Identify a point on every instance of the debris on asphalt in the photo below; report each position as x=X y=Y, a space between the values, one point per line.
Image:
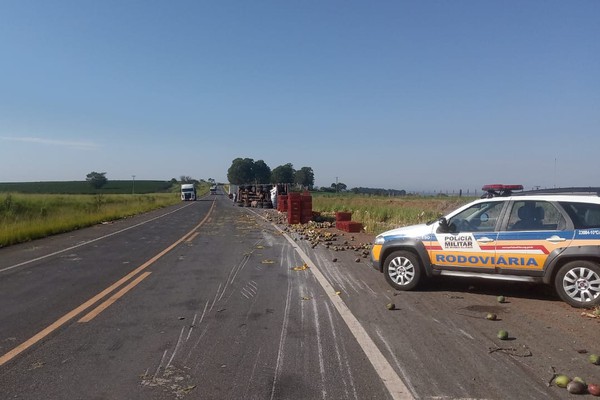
x=502 y=334
x=562 y=381
x=491 y=317
x=300 y=268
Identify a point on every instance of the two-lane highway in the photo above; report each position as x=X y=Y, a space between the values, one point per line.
x=202 y=300
x=206 y=300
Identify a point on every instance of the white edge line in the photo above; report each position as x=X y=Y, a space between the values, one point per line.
x=383 y=368
x=90 y=241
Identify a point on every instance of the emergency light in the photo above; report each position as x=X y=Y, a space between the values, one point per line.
x=499 y=190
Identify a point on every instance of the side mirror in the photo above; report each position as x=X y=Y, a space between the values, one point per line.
x=443 y=226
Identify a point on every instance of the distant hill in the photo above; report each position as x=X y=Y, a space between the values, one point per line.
x=83 y=187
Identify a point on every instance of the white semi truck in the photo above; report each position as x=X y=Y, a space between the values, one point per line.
x=188 y=192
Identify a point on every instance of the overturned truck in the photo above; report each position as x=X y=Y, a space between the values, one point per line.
x=258 y=195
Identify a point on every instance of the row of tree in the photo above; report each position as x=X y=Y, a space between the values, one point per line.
x=246 y=170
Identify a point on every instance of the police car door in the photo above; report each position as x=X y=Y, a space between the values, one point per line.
x=468 y=242
x=534 y=231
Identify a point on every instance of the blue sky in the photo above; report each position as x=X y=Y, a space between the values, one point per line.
x=415 y=95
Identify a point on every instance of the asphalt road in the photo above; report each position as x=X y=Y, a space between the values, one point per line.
x=205 y=300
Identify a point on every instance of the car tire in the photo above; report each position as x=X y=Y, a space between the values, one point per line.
x=402 y=270
x=578 y=283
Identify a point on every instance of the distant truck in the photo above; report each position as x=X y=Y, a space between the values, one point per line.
x=213 y=189
x=188 y=192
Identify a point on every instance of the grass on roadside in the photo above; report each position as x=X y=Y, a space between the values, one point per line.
x=25 y=217
x=381 y=213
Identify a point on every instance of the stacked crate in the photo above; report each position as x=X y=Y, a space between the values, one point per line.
x=294 y=208
x=343 y=222
x=306 y=208
x=282 y=203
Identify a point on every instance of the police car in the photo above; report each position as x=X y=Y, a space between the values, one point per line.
x=547 y=236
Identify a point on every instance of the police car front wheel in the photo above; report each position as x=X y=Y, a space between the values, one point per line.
x=402 y=270
x=578 y=283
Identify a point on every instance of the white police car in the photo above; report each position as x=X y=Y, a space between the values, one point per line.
x=550 y=236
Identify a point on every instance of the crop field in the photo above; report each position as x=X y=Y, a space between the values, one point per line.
x=25 y=217
x=83 y=187
x=33 y=210
x=381 y=213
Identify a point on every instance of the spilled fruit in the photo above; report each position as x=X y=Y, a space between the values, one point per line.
x=576 y=387
x=594 y=389
x=562 y=381
x=502 y=334
x=594 y=359
x=391 y=306
x=491 y=316
x=578 y=379
x=501 y=299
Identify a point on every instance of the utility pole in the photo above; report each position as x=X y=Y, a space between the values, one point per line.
x=336 y=184
x=555 y=160
x=133 y=184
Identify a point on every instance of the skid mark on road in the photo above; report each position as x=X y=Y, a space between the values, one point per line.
x=282 y=338
x=236 y=269
x=396 y=387
x=319 y=348
x=250 y=290
x=396 y=361
x=342 y=359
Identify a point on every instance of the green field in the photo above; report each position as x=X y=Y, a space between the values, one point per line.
x=34 y=210
x=83 y=187
x=381 y=213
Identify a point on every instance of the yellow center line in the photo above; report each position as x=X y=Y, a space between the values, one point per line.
x=80 y=309
x=192 y=237
x=92 y=314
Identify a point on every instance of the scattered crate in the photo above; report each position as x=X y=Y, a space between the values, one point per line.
x=349 y=226
x=343 y=216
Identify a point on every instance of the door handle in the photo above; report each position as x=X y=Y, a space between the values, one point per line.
x=555 y=239
x=485 y=240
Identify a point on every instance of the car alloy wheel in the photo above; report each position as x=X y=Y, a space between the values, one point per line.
x=402 y=270
x=578 y=283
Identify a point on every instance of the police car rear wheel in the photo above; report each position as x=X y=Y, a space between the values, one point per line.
x=402 y=270
x=578 y=283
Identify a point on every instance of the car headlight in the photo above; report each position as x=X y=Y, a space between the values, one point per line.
x=379 y=240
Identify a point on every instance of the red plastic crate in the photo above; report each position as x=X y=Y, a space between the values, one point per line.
x=282 y=200
x=343 y=216
x=349 y=226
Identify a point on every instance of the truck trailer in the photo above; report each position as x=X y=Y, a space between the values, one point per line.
x=188 y=192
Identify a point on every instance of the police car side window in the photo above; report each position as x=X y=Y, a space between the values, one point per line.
x=480 y=217
x=583 y=215
x=528 y=215
x=553 y=219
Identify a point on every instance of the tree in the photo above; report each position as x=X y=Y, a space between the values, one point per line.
x=283 y=174
x=96 y=179
x=187 y=179
x=340 y=187
x=305 y=177
x=241 y=171
x=262 y=172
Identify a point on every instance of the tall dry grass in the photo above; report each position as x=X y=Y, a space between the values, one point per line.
x=25 y=217
x=381 y=213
